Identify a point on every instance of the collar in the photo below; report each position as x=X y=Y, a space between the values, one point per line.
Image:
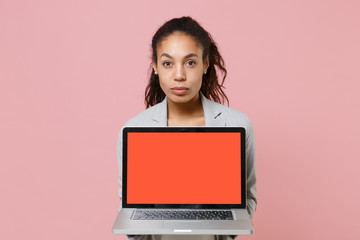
x=213 y=113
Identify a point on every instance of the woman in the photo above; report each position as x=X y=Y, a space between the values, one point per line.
x=184 y=78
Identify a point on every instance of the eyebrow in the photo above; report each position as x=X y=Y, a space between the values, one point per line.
x=187 y=56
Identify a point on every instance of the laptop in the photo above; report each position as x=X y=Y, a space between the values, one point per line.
x=183 y=180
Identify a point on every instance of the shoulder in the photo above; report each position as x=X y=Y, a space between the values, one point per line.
x=230 y=116
x=235 y=117
x=149 y=117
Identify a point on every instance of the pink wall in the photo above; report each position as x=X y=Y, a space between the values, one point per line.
x=72 y=72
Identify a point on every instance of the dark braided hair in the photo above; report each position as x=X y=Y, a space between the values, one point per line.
x=211 y=87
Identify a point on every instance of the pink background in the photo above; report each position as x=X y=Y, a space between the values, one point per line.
x=73 y=71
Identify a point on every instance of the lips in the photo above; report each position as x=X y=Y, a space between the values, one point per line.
x=179 y=90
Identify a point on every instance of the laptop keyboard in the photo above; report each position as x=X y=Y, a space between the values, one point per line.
x=183 y=215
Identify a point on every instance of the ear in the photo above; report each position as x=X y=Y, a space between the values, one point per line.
x=206 y=64
x=155 y=68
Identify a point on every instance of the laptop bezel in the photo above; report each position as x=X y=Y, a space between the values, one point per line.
x=242 y=132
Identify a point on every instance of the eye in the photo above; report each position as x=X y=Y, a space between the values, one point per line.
x=166 y=64
x=191 y=63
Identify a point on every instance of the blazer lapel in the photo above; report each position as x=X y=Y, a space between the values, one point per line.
x=160 y=115
x=213 y=114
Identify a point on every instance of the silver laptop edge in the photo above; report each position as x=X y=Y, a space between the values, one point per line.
x=240 y=225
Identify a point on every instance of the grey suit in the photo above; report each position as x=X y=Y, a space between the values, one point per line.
x=215 y=115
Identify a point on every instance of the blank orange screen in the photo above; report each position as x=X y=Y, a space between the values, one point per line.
x=184 y=168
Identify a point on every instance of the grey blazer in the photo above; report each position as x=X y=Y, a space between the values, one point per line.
x=215 y=115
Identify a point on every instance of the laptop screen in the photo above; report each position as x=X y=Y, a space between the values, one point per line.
x=184 y=166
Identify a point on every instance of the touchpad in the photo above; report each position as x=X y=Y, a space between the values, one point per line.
x=177 y=225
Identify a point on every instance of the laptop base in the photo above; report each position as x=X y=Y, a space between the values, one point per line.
x=241 y=225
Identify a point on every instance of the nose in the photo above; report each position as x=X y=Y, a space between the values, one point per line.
x=179 y=73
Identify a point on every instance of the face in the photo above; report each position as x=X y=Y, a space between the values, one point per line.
x=180 y=67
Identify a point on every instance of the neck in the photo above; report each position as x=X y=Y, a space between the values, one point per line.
x=190 y=109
